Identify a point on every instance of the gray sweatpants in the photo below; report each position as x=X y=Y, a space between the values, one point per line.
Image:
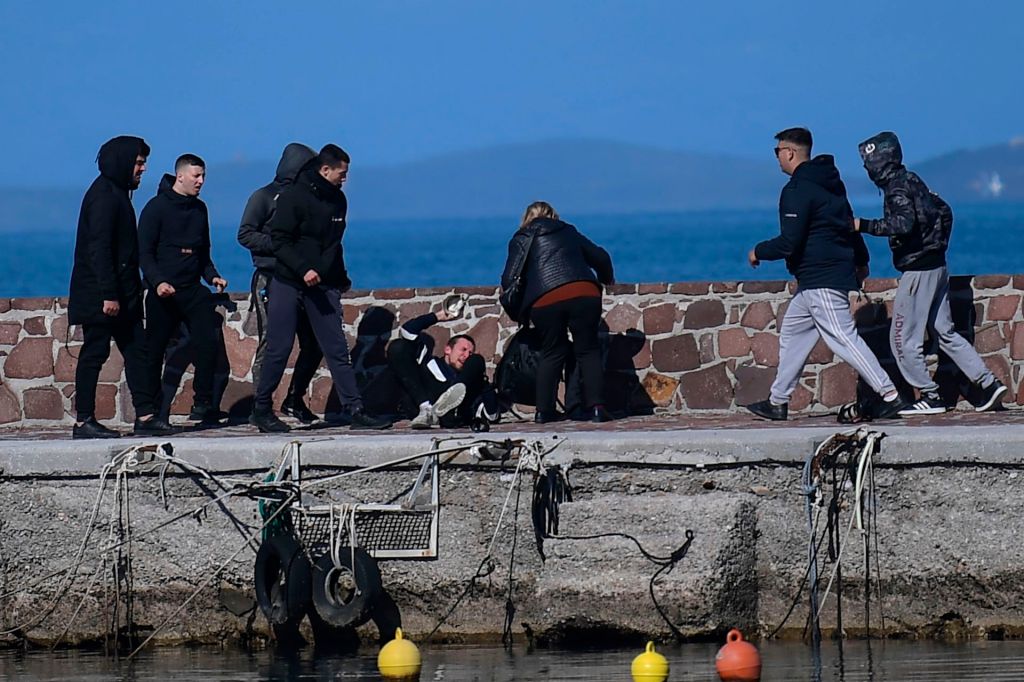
x=922 y=303
x=822 y=313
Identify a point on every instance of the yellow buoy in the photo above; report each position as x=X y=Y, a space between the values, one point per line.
x=650 y=666
x=399 y=659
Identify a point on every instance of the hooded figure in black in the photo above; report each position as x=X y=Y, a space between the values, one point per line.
x=254 y=234
x=174 y=240
x=918 y=224
x=829 y=259
x=106 y=291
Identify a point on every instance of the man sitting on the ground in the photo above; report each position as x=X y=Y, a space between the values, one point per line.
x=448 y=391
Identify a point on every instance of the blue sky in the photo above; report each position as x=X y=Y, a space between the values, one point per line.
x=396 y=81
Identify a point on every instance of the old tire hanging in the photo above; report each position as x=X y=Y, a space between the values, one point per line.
x=282 y=575
x=344 y=595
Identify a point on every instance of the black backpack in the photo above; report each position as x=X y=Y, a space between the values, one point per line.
x=515 y=377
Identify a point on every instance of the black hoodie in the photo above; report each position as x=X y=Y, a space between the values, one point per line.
x=917 y=222
x=107 y=245
x=817 y=239
x=174 y=239
x=254 y=232
x=307 y=229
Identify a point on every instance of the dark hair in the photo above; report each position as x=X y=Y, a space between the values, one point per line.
x=799 y=137
x=455 y=339
x=188 y=160
x=332 y=156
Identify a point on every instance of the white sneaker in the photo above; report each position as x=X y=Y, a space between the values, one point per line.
x=425 y=419
x=430 y=415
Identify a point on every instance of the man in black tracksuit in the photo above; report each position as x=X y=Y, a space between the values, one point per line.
x=918 y=224
x=448 y=391
x=106 y=292
x=828 y=259
x=174 y=238
x=309 y=278
x=254 y=234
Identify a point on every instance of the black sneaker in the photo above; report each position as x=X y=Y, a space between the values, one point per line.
x=361 y=420
x=267 y=422
x=207 y=414
x=891 y=409
x=295 y=406
x=542 y=417
x=91 y=428
x=598 y=414
x=155 y=426
x=769 y=410
x=930 y=403
x=990 y=396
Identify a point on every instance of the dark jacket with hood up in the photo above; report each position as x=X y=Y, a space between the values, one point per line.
x=174 y=239
x=107 y=246
x=559 y=255
x=306 y=231
x=817 y=239
x=917 y=221
x=254 y=232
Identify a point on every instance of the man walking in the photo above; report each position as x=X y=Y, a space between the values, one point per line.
x=106 y=291
x=254 y=234
x=918 y=224
x=309 y=278
x=828 y=260
x=174 y=238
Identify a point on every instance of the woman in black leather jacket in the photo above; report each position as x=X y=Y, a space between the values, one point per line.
x=561 y=292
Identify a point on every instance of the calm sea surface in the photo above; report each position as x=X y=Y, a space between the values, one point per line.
x=708 y=245
x=790 y=662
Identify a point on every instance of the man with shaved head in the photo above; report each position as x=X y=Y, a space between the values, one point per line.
x=174 y=240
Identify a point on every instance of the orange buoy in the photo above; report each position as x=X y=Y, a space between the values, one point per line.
x=738 y=660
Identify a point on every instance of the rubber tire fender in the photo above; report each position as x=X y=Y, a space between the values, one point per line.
x=283 y=580
x=332 y=607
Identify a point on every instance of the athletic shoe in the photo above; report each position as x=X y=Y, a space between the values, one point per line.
x=91 y=428
x=930 y=403
x=361 y=420
x=990 y=396
x=769 y=410
x=267 y=422
x=430 y=415
x=891 y=409
x=154 y=426
x=425 y=419
x=207 y=414
x=541 y=417
x=295 y=406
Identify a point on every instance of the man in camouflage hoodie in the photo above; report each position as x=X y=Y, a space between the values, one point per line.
x=918 y=224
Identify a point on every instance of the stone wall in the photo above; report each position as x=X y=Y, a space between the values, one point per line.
x=684 y=347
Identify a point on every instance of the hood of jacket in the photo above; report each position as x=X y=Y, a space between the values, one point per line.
x=822 y=171
x=882 y=156
x=116 y=159
x=294 y=157
x=166 y=188
x=318 y=184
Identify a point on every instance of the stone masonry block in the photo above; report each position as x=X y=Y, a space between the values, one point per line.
x=676 y=353
x=44 y=403
x=758 y=315
x=32 y=358
x=704 y=314
x=707 y=389
x=1002 y=307
x=659 y=319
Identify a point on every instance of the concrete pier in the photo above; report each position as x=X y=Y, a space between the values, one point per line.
x=949 y=561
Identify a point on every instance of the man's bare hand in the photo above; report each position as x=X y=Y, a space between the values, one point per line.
x=311 y=278
x=856 y=224
x=752 y=259
x=220 y=284
x=164 y=290
x=111 y=308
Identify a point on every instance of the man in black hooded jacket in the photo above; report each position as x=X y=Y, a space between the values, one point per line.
x=106 y=292
x=918 y=224
x=254 y=234
x=174 y=241
x=309 y=278
x=829 y=260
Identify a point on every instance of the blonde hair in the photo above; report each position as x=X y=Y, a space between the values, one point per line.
x=538 y=209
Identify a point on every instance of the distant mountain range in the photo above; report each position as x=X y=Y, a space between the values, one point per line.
x=581 y=176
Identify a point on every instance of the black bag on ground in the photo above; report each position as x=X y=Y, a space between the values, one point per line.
x=515 y=377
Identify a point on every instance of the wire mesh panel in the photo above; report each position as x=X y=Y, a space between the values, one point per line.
x=385 y=531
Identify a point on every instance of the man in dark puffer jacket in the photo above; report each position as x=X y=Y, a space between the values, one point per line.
x=824 y=253
x=918 y=224
x=106 y=292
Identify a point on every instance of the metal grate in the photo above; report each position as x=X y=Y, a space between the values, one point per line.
x=384 y=531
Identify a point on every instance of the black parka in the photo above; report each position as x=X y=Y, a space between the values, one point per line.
x=106 y=266
x=174 y=239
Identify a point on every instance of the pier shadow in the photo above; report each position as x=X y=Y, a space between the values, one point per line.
x=369 y=353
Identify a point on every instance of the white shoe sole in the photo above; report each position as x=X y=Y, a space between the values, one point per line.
x=449 y=400
x=993 y=400
x=913 y=412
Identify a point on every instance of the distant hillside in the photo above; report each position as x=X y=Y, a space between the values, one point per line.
x=581 y=176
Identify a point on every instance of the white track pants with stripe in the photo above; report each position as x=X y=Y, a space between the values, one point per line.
x=822 y=313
